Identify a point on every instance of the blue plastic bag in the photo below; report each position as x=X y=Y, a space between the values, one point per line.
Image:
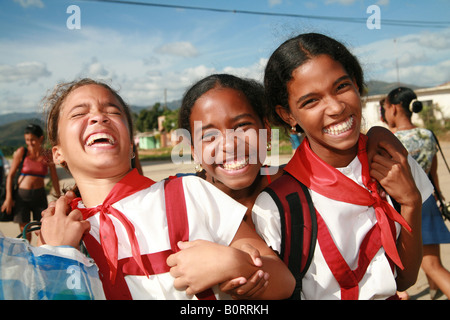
x=46 y=273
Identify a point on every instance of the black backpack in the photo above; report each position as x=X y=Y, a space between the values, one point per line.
x=298 y=225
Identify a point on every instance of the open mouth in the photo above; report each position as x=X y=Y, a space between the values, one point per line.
x=235 y=164
x=100 y=139
x=340 y=128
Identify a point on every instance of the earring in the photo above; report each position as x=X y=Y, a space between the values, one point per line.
x=269 y=146
x=133 y=155
x=198 y=167
x=294 y=128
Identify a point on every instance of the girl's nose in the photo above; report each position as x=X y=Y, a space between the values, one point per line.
x=98 y=117
x=334 y=106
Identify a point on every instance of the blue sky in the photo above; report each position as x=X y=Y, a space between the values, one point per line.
x=144 y=50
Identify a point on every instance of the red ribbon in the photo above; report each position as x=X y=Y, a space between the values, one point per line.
x=326 y=180
x=130 y=184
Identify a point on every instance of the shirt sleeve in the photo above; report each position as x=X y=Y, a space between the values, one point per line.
x=420 y=177
x=211 y=210
x=266 y=218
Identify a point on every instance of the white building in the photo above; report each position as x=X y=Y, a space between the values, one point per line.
x=439 y=97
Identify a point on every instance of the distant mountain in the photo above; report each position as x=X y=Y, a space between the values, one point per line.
x=172 y=105
x=11 y=134
x=375 y=87
x=16 y=116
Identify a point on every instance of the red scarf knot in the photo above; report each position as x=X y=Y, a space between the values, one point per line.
x=131 y=183
x=326 y=180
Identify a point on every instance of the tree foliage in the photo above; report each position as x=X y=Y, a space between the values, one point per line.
x=147 y=119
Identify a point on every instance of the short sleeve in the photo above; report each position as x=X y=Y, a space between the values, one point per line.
x=211 y=210
x=266 y=218
x=423 y=183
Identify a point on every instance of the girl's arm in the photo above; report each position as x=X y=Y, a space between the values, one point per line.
x=9 y=201
x=392 y=171
x=206 y=264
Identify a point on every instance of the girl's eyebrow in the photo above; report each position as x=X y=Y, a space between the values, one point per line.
x=306 y=96
x=238 y=117
x=243 y=115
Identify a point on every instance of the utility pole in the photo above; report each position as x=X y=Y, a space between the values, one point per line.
x=396 y=62
x=165 y=98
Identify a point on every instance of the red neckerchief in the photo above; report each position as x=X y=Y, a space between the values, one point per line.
x=130 y=184
x=326 y=180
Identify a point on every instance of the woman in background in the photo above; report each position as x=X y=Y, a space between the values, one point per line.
x=31 y=195
x=398 y=109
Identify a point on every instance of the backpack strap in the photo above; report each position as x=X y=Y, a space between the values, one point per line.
x=177 y=221
x=440 y=149
x=298 y=226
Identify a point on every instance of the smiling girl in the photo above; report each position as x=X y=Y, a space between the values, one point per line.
x=128 y=236
x=313 y=84
x=224 y=116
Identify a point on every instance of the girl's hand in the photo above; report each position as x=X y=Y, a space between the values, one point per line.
x=241 y=288
x=60 y=226
x=393 y=173
x=202 y=264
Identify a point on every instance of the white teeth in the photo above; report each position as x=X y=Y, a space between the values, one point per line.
x=97 y=136
x=235 y=165
x=339 y=128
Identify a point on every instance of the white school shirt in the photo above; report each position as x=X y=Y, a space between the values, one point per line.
x=348 y=225
x=212 y=215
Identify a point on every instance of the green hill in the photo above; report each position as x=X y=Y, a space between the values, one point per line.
x=11 y=134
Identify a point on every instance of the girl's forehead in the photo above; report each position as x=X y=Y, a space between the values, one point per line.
x=90 y=92
x=223 y=100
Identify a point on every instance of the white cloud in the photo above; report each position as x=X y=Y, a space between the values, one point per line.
x=182 y=49
x=383 y=2
x=420 y=60
x=342 y=2
x=95 y=69
x=30 y=3
x=273 y=3
x=28 y=71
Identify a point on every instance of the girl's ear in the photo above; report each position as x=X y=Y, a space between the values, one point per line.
x=285 y=115
x=395 y=109
x=58 y=157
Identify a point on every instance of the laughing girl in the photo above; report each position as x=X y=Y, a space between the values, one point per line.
x=313 y=84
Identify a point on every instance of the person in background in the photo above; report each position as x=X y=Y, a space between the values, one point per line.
x=399 y=106
x=31 y=195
